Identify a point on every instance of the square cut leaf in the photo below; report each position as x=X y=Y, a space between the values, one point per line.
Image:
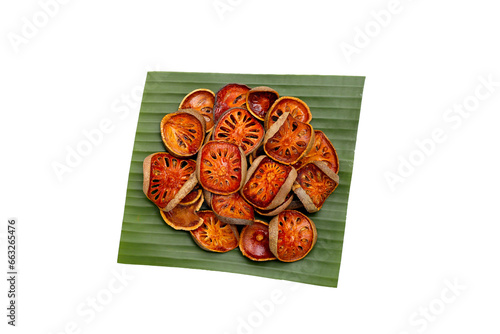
x=335 y=103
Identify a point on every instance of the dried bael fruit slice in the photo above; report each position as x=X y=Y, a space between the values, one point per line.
x=296 y=107
x=315 y=182
x=232 y=209
x=322 y=150
x=292 y=235
x=268 y=183
x=192 y=197
x=239 y=127
x=214 y=235
x=201 y=100
x=260 y=99
x=184 y=217
x=229 y=96
x=167 y=179
x=221 y=167
x=183 y=132
x=288 y=140
x=278 y=209
x=254 y=242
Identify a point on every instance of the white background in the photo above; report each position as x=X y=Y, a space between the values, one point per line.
x=403 y=247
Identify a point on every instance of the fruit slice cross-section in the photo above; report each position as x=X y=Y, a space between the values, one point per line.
x=322 y=150
x=254 y=242
x=229 y=96
x=167 y=179
x=292 y=105
x=268 y=183
x=288 y=140
x=292 y=235
x=315 y=182
x=221 y=167
x=259 y=100
x=232 y=209
x=239 y=127
x=201 y=100
x=214 y=235
x=183 y=217
x=183 y=132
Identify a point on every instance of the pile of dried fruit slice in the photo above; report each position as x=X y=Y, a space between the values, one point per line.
x=210 y=140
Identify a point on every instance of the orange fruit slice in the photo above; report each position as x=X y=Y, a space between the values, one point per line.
x=230 y=96
x=239 y=127
x=288 y=140
x=322 y=150
x=167 y=179
x=259 y=100
x=292 y=105
x=214 y=235
x=292 y=235
x=254 y=242
x=232 y=209
x=221 y=167
x=268 y=183
x=183 y=132
x=315 y=182
x=201 y=100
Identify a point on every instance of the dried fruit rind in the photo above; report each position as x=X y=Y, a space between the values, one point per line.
x=167 y=179
x=254 y=242
x=268 y=183
x=292 y=235
x=214 y=235
x=183 y=132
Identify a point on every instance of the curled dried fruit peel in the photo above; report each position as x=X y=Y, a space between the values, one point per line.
x=273 y=212
x=167 y=179
x=254 y=242
x=292 y=235
x=184 y=217
x=259 y=101
x=288 y=140
x=239 y=127
x=214 y=235
x=314 y=184
x=221 y=167
x=183 y=132
x=201 y=100
x=268 y=183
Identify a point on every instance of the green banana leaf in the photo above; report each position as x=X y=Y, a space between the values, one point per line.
x=335 y=103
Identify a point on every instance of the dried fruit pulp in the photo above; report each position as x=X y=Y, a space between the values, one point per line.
x=296 y=236
x=290 y=142
x=220 y=167
x=265 y=182
x=183 y=134
x=215 y=235
x=254 y=242
x=167 y=176
x=296 y=107
x=260 y=102
x=202 y=101
x=232 y=206
x=229 y=96
x=184 y=217
x=239 y=127
x=317 y=185
x=322 y=150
